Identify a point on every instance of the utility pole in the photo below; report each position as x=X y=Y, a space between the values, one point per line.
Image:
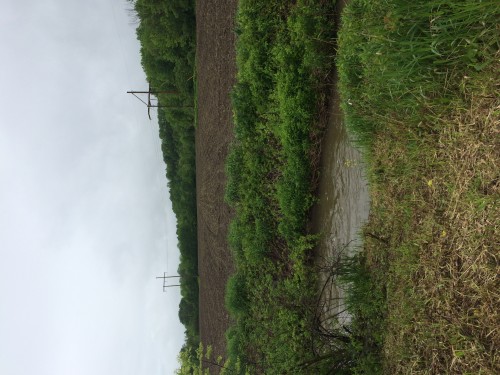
x=148 y=102
x=165 y=281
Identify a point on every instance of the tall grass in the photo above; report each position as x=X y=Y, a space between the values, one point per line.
x=419 y=87
x=396 y=55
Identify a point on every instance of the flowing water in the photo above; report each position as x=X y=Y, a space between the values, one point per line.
x=339 y=214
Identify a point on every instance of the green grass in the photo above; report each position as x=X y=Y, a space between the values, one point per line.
x=419 y=85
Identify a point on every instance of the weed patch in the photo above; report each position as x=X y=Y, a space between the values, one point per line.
x=281 y=58
x=419 y=83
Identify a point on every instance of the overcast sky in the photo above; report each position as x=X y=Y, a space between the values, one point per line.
x=85 y=216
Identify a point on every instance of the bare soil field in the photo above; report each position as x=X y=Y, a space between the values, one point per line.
x=215 y=70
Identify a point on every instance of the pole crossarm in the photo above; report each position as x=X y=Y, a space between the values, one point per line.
x=155 y=93
x=165 y=277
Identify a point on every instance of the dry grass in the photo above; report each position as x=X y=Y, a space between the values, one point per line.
x=436 y=190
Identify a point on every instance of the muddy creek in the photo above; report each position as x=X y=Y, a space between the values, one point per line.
x=342 y=208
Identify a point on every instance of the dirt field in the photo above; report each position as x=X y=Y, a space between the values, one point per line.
x=215 y=78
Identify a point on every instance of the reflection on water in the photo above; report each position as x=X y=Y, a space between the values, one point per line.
x=342 y=209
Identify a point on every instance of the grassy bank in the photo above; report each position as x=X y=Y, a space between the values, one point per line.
x=167 y=35
x=420 y=89
x=283 y=60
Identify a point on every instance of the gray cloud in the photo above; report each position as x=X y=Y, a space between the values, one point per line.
x=85 y=224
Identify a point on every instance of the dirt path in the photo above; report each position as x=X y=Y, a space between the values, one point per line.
x=215 y=78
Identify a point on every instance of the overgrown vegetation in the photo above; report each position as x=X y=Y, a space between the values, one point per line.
x=200 y=361
x=419 y=83
x=167 y=35
x=283 y=62
x=420 y=88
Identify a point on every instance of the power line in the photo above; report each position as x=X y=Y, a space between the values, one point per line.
x=120 y=39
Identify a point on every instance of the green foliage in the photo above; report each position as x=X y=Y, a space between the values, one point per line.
x=281 y=53
x=365 y=301
x=237 y=295
x=197 y=362
x=394 y=58
x=407 y=53
x=167 y=35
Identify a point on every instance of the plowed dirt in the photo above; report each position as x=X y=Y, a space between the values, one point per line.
x=215 y=69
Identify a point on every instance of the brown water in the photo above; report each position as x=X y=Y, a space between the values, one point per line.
x=338 y=216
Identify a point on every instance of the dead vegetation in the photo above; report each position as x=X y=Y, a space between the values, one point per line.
x=437 y=203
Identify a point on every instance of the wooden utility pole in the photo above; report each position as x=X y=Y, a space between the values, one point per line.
x=165 y=277
x=148 y=102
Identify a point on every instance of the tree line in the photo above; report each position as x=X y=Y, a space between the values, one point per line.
x=166 y=32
